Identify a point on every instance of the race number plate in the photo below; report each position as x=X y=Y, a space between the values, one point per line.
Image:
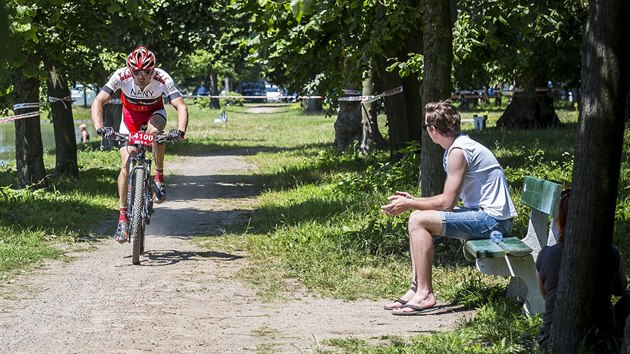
x=141 y=138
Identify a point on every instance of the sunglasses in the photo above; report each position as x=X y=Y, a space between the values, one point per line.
x=144 y=72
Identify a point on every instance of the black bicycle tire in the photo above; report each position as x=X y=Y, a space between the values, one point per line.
x=136 y=216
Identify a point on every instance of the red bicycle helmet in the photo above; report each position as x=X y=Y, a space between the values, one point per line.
x=141 y=59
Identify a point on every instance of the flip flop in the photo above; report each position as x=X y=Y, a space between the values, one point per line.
x=417 y=310
x=400 y=301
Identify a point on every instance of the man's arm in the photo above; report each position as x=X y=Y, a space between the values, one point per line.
x=182 y=113
x=457 y=166
x=401 y=201
x=97 y=108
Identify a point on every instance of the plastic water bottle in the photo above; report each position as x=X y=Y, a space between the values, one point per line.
x=496 y=236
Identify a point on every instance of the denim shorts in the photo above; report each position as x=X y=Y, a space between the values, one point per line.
x=471 y=224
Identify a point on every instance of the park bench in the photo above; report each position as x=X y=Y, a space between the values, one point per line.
x=516 y=258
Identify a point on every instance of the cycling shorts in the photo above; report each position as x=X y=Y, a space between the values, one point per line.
x=132 y=121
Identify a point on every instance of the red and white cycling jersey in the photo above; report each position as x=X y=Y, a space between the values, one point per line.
x=138 y=100
x=140 y=105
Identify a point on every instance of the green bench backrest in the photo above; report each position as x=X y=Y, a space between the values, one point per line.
x=540 y=194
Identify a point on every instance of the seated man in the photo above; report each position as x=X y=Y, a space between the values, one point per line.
x=473 y=175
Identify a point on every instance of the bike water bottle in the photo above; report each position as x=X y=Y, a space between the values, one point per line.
x=496 y=236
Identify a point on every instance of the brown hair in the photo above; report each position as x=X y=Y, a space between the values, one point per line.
x=444 y=117
x=563 y=210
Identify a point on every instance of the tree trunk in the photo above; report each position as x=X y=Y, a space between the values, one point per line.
x=396 y=108
x=63 y=122
x=214 y=91
x=367 y=113
x=371 y=136
x=29 y=150
x=112 y=117
x=412 y=85
x=598 y=148
x=529 y=111
x=348 y=124
x=436 y=86
x=312 y=104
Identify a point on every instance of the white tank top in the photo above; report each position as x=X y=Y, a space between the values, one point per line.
x=484 y=185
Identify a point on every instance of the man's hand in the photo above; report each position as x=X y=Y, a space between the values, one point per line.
x=398 y=203
x=176 y=134
x=106 y=132
x=404 y=194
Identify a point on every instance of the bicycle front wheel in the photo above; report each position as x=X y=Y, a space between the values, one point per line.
x=136 y=227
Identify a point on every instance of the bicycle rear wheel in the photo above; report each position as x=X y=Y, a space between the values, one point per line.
x=137 y=224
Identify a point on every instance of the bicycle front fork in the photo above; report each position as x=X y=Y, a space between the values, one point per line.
x=134 y=165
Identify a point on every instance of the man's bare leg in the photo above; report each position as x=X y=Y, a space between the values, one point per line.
x=156 y=125
x=123 y=176
x=412 y=289
x=123 y=181
x=422 y=225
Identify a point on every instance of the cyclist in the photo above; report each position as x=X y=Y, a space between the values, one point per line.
x=142 y=86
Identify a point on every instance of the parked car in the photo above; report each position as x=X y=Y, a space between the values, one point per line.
x=252 y=90
x=275 y=94
x=202 y=91
x=83 y=95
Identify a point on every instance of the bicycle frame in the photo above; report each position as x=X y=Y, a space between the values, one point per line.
x=140 y=162
x=139 y=186
x=139 y=198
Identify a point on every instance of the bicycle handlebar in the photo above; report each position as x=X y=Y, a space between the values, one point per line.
x=162 y=138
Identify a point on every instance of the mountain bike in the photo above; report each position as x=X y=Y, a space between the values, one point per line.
x=141 y=187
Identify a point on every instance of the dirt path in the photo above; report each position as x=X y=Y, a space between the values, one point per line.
x=182 y=298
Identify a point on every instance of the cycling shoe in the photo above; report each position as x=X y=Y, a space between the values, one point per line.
x=122 y=235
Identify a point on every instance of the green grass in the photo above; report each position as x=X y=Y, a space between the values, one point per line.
x=19 y=248
x=317 y=224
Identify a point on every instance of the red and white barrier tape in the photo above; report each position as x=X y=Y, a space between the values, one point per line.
x=25 y=105
x=368 y=99
x=362 y=99
x=23 y=115
x=252 y=97
x=52 y=99
x=19 y=116
x=17 y=106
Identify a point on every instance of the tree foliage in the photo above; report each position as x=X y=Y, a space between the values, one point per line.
x=522 y=41
x=306 y=43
